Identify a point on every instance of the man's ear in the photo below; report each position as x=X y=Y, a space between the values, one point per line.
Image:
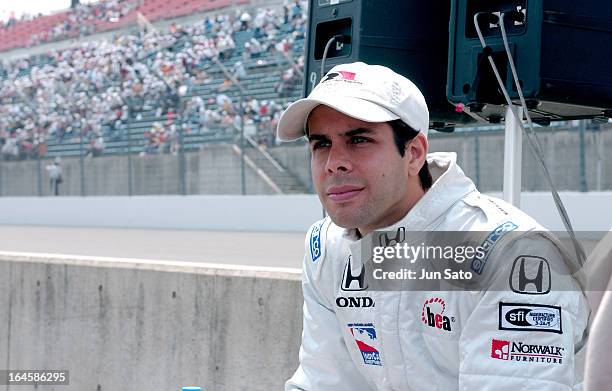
x=416 y=153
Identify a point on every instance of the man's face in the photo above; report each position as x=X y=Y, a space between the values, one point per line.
x=358 y=173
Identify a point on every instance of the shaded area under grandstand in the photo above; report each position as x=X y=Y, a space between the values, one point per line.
x=275 y=249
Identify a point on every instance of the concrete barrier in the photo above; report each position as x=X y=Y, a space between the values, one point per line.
x=123 y=324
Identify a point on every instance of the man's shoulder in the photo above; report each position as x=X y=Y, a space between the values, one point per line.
x=493 y=224
x=321 y=235
x=488 y=213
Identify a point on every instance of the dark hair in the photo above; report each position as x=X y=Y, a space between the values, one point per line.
x=402 y=134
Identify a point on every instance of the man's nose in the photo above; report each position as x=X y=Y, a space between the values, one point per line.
x=338 y=159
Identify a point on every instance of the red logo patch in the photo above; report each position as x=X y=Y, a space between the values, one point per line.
x=347 y=75
x=432 y=314
x=500 y=349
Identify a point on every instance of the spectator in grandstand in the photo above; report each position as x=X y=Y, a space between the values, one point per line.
x=96 y=146
x=253 y=48
x=10 y=149
x=288 y=81
x=238 y=70
x=55 y=175
x=225 y=45
x=224 y=103
x=245 y=19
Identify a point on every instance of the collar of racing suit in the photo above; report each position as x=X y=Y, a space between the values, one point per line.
x=449 y=187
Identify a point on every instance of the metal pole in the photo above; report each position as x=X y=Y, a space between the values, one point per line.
x=129 y=150
x=82 y=163
x=477 y=158
x=39 y=176
x=241 y=93
x=598 y=143
x=242 y=166
x=181 y=156
x=583 y=181
x=513 y=153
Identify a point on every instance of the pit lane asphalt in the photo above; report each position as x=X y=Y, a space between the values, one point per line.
x=274 y=249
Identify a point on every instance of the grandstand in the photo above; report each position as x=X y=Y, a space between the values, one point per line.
x=51 y=115
x=102 y=16
x=168 y=91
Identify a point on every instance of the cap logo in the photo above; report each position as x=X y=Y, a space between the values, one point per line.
x=347 y=75
x=342 y=74
x=396 y=91
x=330 y=76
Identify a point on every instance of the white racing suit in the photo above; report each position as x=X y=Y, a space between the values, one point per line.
x=515 y=335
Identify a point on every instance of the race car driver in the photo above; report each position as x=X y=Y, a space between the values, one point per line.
x=367 y=131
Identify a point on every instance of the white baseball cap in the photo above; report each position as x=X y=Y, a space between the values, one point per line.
x=371 y=93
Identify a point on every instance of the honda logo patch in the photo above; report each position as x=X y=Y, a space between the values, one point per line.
x=352 y=282
x=530 y=275
x=386 y=241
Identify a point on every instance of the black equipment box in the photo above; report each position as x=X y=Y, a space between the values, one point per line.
x=410 y=37
x=562 y=51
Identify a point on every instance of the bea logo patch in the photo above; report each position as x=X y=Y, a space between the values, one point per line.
x=433 y=316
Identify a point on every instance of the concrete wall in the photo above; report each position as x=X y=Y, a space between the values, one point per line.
x=216 y=169
x=481 y=156
x=146 y=325
x=213 y=170
x=296 y=158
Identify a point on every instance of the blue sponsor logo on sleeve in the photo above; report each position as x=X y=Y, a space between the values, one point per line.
x=315 y=242
x=368 y=344
x=478 y=263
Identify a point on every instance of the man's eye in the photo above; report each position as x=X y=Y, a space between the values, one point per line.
x=319 y=144
x=359 y=139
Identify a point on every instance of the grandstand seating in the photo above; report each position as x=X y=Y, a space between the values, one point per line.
x=263 y=75
x=19 y=34
x=259 y=84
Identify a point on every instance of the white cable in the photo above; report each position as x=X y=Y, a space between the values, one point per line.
x=329 y=42
x=495 y=71
x=517 y=83
x=534 y=141
x=534 y=145
x=327 y=45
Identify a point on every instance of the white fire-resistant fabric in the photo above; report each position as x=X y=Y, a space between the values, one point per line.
x=597 y=374
x=402 y=352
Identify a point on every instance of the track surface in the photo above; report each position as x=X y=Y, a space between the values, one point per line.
x=275 y=249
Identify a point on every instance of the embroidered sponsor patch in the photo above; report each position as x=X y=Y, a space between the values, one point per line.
x=365 y=337
x=315 y=241
x=529 y=353
x=433 y=314
x=352 y=282
x=530 y=317
x=530 y=275
x=479 y=262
